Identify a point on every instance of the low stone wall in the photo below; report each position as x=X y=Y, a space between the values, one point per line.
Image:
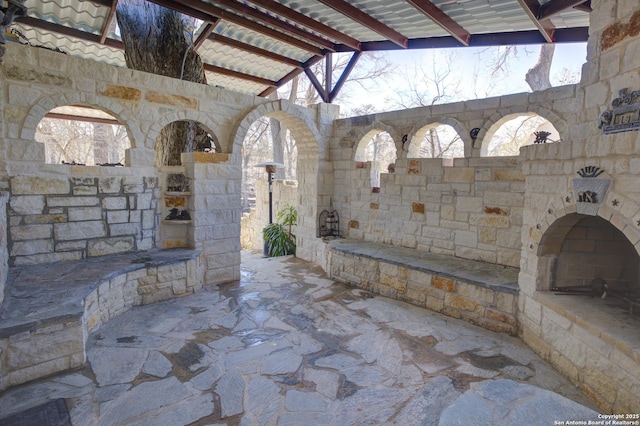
x=482 y=294
x=49 y=341
x=64 y=218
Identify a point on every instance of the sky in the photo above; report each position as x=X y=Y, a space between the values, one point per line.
x=469 y=77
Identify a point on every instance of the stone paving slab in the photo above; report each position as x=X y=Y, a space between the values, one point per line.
x=287 y=346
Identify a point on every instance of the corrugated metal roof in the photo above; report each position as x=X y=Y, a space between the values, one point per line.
x=298 y=33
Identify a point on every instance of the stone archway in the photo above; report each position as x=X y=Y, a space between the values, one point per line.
x=313 y=168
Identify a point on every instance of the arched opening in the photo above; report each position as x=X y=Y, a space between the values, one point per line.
x=436 y=141
x=508 y=135
x=380 y=150
x=267 y=140
x=80 y=135
x=587 y=256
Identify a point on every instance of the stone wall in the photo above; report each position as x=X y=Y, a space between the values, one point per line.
x=69 y=218
x=596 y=347
x=34 y=81
x=472 y=209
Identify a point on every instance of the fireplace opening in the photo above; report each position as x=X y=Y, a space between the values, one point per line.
x=587 y=257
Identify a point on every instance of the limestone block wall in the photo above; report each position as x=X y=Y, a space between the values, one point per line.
x=472 y=209
x=68 y=218
x=598 y=350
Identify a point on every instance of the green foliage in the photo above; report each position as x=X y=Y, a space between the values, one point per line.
x=278 y=237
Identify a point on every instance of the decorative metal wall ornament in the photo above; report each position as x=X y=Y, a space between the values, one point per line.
x=589 y=191
x=590 y=172
x=625 y=114
x=474 y=133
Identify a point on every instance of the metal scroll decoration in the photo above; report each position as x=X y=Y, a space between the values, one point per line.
x=624 y=116
x=589 y=191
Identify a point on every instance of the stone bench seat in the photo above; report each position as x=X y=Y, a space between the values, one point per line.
x=482 y=293
x=49 y=309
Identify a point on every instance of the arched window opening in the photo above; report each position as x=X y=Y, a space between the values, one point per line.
x=380 y=150
x=520 y=131
x=437 y=141
x=82 y=136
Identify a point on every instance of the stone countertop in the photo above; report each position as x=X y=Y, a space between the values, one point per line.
x=488 y=275
x=56 y=291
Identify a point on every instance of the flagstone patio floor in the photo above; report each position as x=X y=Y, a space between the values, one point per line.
x=288 y=346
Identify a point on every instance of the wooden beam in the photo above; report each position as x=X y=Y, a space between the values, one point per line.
x=443 y=20
x=307 y=22
x=237 y=74
x=254 y=50
x=546 y=28
x=367 y=21
x=207 y=12
x=553 y=7
x=108 y=20
x=272 y=21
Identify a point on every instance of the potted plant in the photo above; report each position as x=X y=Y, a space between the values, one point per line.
x=277 y=236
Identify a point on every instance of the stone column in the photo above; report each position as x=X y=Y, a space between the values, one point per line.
x=216 y=210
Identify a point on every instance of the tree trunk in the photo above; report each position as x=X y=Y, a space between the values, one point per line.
x=160 y=41
x=538 y=77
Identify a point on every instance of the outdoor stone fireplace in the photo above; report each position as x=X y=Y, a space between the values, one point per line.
x=585 y=256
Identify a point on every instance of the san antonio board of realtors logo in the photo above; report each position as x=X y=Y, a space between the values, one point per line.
x=625 y=114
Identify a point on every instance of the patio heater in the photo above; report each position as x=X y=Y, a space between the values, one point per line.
x=270 y=167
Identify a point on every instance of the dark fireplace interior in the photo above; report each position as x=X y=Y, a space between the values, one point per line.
x=586 y=256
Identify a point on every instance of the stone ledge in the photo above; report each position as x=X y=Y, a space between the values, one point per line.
x=481 y=293
x=495 y=277
x=49 y=309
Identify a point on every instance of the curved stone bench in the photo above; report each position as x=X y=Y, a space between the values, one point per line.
x=50 y=309
x=481 y=293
